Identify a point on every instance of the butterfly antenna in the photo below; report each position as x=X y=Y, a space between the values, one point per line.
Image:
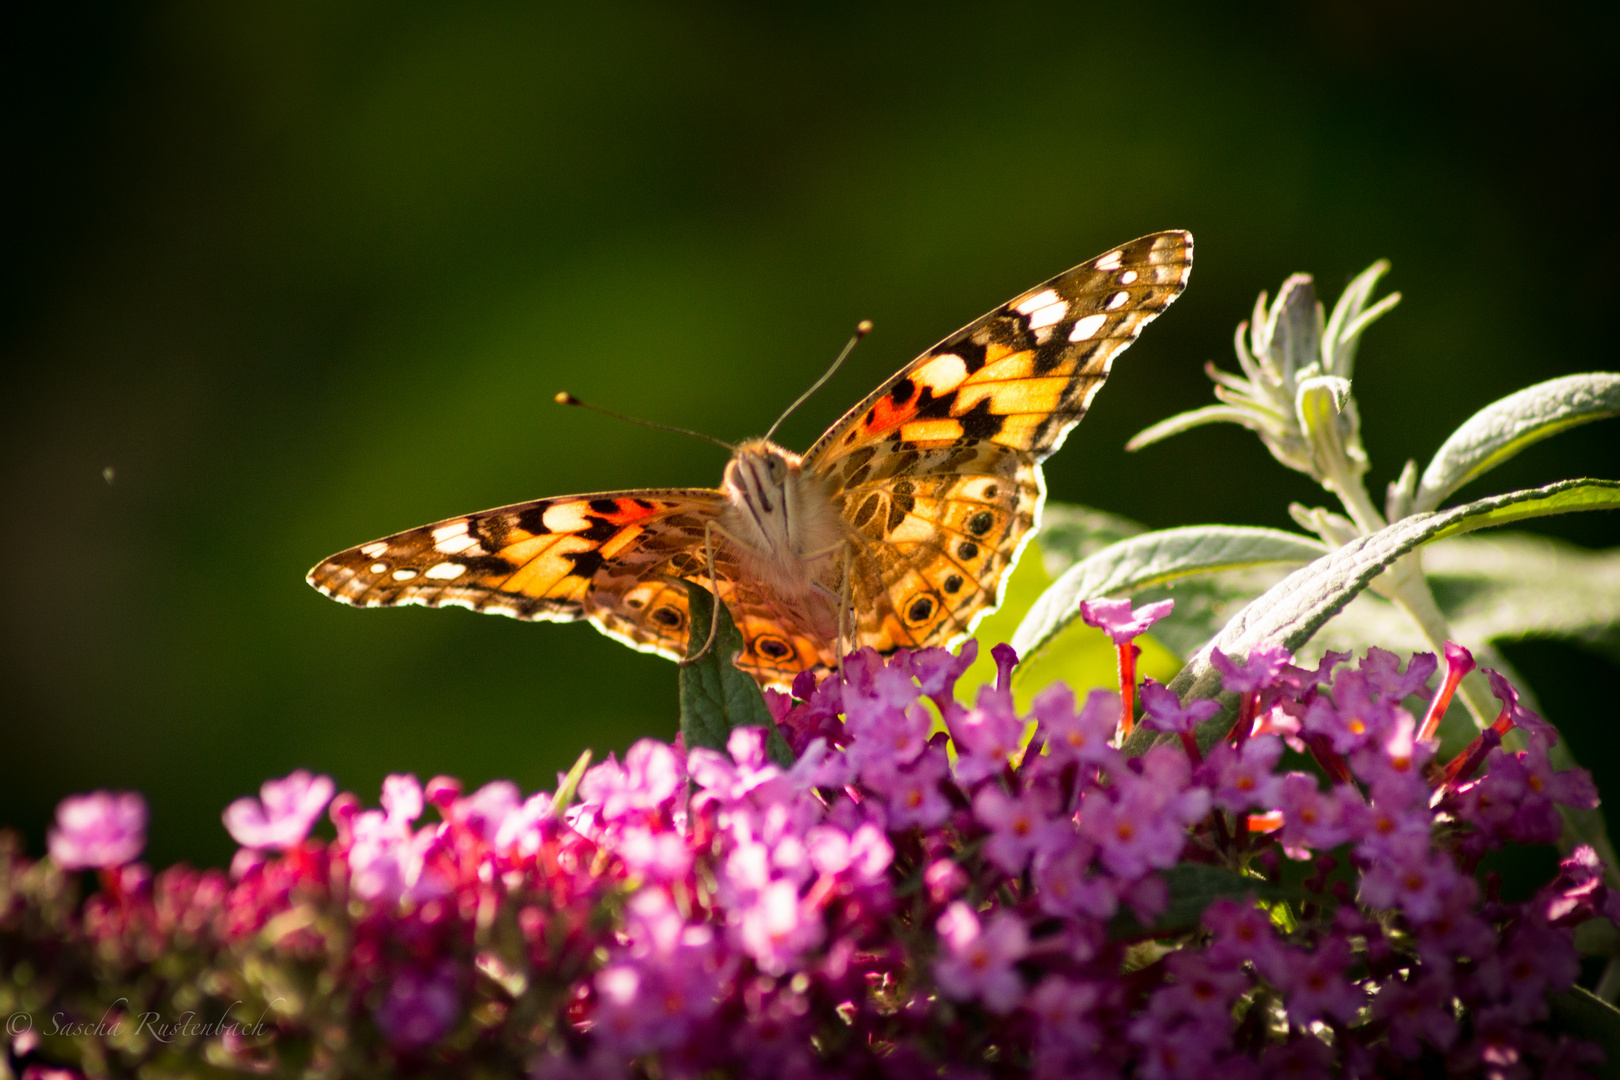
x=862 y=328
x=565 y=398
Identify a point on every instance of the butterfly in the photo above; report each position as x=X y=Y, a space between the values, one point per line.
x=897 y=529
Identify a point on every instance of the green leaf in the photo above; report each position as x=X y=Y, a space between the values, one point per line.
x=1193 y=887
x=1584 y=1015
x=1175 y=425
x=569 y=787
x=1155 y=558
x=1292 y=611
x=1563 y=497
x=1503 y=428
x=715 y=696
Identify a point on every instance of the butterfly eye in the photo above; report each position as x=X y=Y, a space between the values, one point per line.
x=778 y=468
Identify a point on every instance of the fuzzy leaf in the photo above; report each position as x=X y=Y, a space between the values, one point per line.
x=1503 y=428
x=1155 y=558
x=1291 y=612
x=1175 y=425
x=715 y=696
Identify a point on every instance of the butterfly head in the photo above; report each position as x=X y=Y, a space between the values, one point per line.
x=758 y=476
x=780 y=514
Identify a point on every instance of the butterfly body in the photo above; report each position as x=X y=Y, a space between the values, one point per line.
x=911 y=509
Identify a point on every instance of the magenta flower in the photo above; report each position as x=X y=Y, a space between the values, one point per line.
x=777 y=928
x=1119 y=620
x=1243 y=777
x=1161 y=709
x=100 y=831
x=647 y=779
x=986 y=736
x=913 y=795
x=280 y=818
x=1260 y=670
x=1314 y=984
x=1019 y=825
x=1517 y=714
x=419 y=1008
x=1382 y=669
x=1084 y=736
x=979 y=959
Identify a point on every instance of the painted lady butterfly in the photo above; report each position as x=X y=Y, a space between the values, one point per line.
x=914 y=506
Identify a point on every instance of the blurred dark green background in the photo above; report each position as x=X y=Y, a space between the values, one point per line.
x=306 y=274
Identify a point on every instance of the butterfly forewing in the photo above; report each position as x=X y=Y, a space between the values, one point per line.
x=938 y=470
x=606 y=557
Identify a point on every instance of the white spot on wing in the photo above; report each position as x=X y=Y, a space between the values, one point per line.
x=404 y=575
x=378 y=567
x=446 y=571
x=455 y=545
x=454 y=528
x=1117 y=301
x=1049 y=315
x=1087 y=327
x=1109 y=261
x=1045 y=298
x=1127 y=277
x=371 y=551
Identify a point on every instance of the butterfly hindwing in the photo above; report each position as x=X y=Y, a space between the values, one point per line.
x=938 y=470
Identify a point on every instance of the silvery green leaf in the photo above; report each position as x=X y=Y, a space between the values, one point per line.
x=1398 y=498
x=1503 y=428
x=1295 y=328
x=1301 y=603
x=1175 y=425
x=1327 y=416
x=1070 y=533
x=1350 y=318
x=1335 y=529
x=1154 y=558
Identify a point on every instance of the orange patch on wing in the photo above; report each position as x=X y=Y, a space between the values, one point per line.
x=1018 y=365
x=931 y=431
x=541 y=575
x=886 y=415
x=629 y=510
x=521 y=551
x=1018 y=431
x=1009 y=398
x=620 y=540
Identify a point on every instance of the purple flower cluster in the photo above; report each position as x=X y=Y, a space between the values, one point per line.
x=930 y=886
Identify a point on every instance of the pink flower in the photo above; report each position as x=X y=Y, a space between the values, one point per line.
x=99 y=831
x=1119 y=621
x=1018 y=825
x=777 y=928
x=979 y=960
x=648 y=778
x=1164 y=711
x=280 y=818
x=1261 y=670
